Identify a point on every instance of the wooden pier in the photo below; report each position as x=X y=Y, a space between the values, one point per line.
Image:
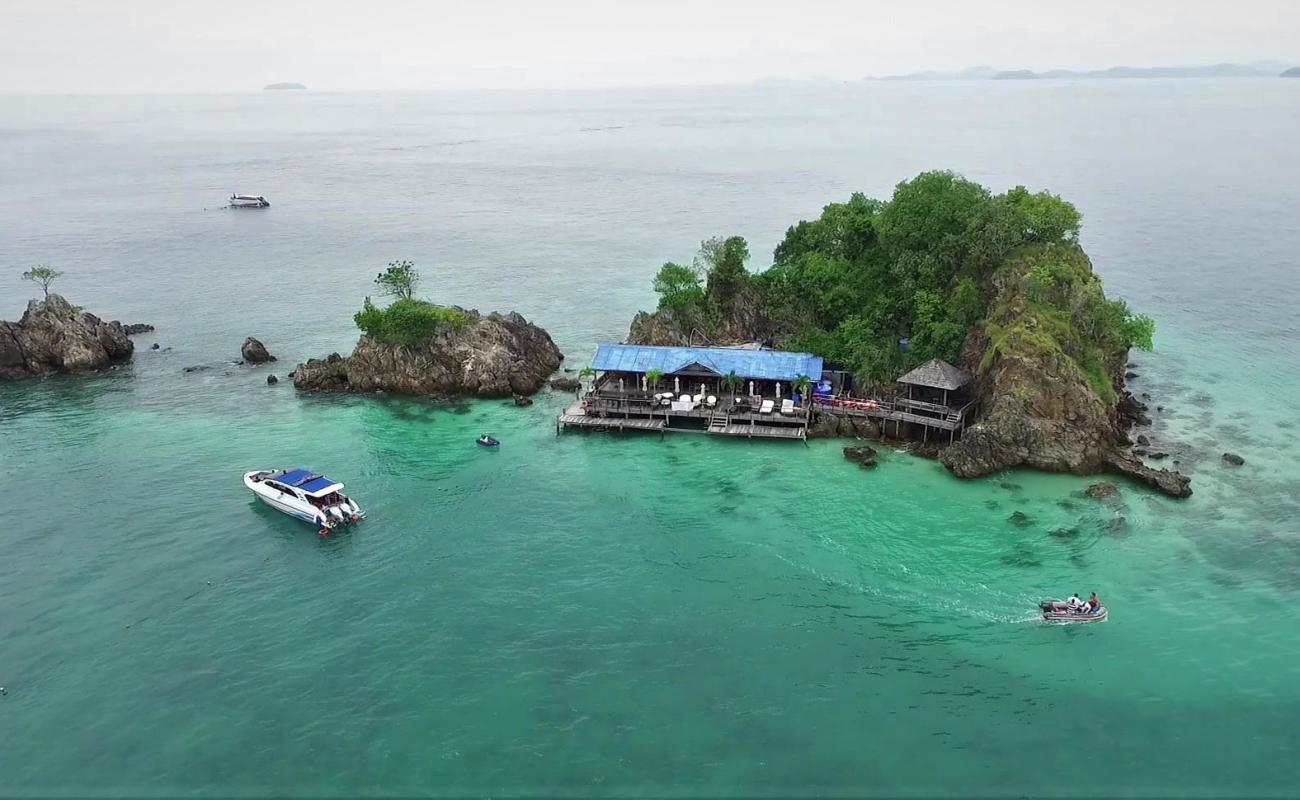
x=716 y=422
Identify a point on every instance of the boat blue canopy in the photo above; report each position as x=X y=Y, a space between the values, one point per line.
x=772 y=365
x=306 y=480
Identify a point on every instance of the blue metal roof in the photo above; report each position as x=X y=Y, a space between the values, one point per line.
x=306 y=480
x=772 y=365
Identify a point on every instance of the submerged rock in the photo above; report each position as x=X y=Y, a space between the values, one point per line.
x=1234 y=459
x=1020 y=519
x=1101 y=490
x=863 y=455
x=498 y=355
x=154 y=346
x=522 y=400
x=55 y=336
x=271 y=380
x=254 y=352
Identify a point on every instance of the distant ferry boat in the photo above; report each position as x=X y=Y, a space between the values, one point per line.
x=248 y=201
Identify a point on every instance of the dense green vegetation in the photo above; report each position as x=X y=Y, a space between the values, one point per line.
x=406 y=321
x=882 y=286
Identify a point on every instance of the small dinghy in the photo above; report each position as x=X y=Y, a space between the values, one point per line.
x=248 y=201
x=487 y=441
x=304 y=494
x=1060 y=611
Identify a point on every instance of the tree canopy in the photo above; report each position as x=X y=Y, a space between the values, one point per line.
x=881 y=286
x=399 y=280
x=43 y=276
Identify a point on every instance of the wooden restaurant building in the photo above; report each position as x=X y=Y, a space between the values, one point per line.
x=750 y=391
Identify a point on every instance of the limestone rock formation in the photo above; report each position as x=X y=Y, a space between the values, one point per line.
x=498 y=355
x=54 y=336
x=1040 y=407
x=254 y=352
x=137 y=327
x=563 y=384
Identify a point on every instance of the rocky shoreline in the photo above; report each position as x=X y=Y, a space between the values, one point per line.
x=497 y=355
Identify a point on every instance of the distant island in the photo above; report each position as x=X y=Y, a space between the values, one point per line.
x=279 y=87
x=1262 y=69
x=1294 y=72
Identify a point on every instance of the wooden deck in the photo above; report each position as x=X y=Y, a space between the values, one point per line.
x=718 y=424
x=951 y=419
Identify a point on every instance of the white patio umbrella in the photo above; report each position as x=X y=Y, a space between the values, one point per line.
x=620 y=384
x=778 y=390
x=751 y=387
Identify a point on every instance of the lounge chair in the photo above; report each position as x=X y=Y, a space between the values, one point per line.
x=787 y=407
x=699 y=398
x=686 y=398
x=711 y=401
x=767 y=407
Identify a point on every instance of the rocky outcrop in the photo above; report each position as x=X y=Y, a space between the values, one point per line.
x=563 y=384
x=1233 y=459
x=826 y=426
x=137 y=327
x=498 y=355
x=55 y=336
x=746 y=322
x=1174 y=484
x=862 y=455
x=254 y=352
x=1041 y=407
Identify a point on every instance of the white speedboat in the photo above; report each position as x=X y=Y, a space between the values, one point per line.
x=304 y=494
x=248 y=201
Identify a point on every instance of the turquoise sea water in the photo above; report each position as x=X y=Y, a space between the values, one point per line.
x=594 y=614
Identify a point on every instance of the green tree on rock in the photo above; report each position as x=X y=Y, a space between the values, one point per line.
x=399 y=280
x=678 y=287
x=44 y=276
x=725 y=274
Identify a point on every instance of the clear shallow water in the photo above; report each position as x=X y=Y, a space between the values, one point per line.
x=593 y=614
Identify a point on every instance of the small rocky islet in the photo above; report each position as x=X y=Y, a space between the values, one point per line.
x=493 y=355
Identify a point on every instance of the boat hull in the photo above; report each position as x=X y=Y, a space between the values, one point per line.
x=1056 y=611
x=298 y=508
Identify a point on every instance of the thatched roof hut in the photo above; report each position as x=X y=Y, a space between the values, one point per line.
x=937 y=374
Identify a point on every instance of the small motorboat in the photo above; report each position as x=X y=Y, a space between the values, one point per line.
x=248 y=201
x=488 y=441
x=304 y=494
x=1059 y=611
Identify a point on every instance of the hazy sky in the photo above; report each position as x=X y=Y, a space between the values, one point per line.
x=239 y=45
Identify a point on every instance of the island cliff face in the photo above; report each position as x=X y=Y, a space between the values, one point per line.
x=54 y=336
x=1039 y=406
x=490 y=356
